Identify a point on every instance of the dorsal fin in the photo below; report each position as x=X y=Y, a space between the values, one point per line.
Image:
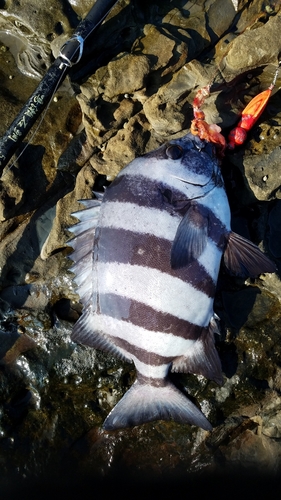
x=82 y=244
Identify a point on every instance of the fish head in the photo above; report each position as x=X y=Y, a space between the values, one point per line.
x=189 y=162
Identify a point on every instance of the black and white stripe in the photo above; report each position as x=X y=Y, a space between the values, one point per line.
x=136 y=303
x=148 y=312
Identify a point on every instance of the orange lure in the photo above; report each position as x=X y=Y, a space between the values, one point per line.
x=249 y=117
x=238 y=135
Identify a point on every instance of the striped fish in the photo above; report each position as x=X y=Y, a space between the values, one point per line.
x=147 y=258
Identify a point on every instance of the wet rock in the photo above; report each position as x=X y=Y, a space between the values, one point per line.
x=27 y=30
x=27 y=296
x=271 y=425
x=254 y=452
x=67 y=310
x=30 y=57
x=13 y=344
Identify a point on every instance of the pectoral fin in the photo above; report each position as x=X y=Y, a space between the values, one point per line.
x=243 y=258
x=191 y=237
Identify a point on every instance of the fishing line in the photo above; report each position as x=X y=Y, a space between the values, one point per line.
x=275 y=76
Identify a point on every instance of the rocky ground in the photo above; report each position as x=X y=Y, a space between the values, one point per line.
x=132 y=92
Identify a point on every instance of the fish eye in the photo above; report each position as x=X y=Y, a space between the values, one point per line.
x=174 y=151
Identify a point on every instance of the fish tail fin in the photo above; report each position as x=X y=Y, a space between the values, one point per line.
x=145 y=403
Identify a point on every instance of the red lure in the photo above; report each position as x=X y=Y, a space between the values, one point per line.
x=237 y=136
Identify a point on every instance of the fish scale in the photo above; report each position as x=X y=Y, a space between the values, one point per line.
x=147 y=257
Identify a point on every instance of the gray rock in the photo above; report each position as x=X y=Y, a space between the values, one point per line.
x=263 y=174
x=265 y=37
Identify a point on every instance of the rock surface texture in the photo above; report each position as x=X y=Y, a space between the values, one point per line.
x=132 y=92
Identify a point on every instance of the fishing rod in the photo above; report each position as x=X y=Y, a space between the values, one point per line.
x=70 y=54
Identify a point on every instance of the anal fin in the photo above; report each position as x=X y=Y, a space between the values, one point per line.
x=202 y=358
x=84 y=333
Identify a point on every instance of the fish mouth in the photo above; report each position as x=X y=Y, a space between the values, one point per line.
x=190 y=182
